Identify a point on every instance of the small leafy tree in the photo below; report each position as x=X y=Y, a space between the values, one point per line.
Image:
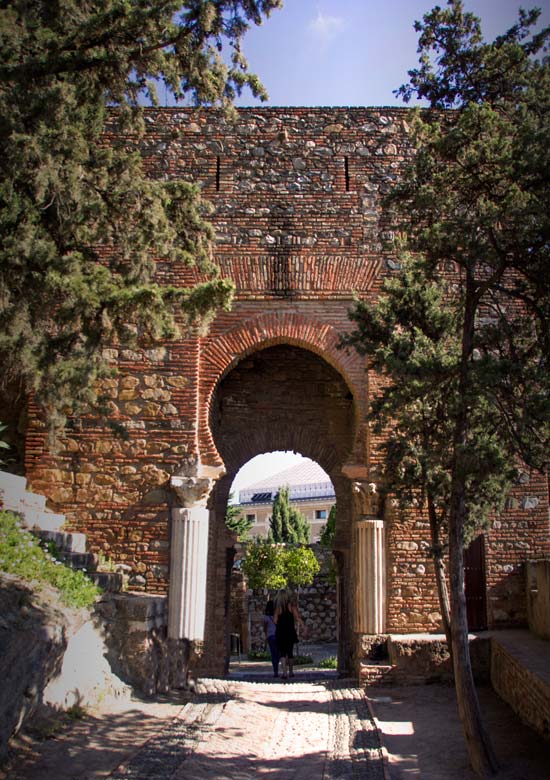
x=300 y=566
x=236 y=521
x=274 y=566
x=288 y=524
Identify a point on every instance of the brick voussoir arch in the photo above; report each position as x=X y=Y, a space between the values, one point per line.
x=223 y=352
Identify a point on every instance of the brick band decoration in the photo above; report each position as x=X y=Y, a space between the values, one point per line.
x=300 y=227
x=224 y=352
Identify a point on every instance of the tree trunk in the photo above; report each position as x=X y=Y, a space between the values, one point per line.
x=480 y=751
x=440 y=575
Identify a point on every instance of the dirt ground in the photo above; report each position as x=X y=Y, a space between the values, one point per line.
x=420 y=729
x=87 y=748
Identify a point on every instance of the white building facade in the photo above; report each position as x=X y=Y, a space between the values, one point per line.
x=310 y=491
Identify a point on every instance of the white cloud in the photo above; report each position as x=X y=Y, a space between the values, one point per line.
x=326 y=28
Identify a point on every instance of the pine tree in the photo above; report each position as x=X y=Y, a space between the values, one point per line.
x=236 y=521
x=468 y=360
x=288 y=525
x=81 y=223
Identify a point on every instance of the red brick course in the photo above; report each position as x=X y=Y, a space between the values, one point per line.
x=299 y=241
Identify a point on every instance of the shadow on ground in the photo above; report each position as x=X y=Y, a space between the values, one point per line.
x=421 y=731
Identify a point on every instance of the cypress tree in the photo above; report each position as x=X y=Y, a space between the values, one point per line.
x=288 y=525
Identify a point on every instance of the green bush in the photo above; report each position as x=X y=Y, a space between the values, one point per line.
x=274 y=566
x=265 y=655
x=21 y=554
x=302 y=660
x=328 y=663
x=259 y=655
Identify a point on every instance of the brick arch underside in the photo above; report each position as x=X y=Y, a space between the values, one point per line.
x=283 y=397
x=224 y=352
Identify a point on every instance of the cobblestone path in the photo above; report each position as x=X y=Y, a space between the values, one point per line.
x=284 y=731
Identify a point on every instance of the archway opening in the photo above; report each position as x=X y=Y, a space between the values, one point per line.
x=281 y=398
x=301 y=496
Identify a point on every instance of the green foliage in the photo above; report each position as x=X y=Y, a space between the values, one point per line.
x=104 y=563
x=237 y=522
x=274 y=566
x=328 y=531
x=468 y=390
x=259 y=655
x=412 y=335
x=331 y=662
x=288 y=525
x=303 y=660
x=467 y=358
x=21 y=554
x=76 y=712
x=265 y=655
x=81 y=222
x=261 y=565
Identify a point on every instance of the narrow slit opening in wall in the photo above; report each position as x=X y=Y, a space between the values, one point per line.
x=346 y=172
x=218 y=167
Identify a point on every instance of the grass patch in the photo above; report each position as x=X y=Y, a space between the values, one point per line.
x=46 y=727
x=22 y=555
x=265 y=655
x=328 y=663
x=76 y=712
x=259 y=655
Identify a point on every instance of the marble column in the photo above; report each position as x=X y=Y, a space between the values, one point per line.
x=370 y=576
x=188 y=565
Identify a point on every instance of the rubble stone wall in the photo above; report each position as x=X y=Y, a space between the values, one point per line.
x=538 y=597
x=301 y=229
x=525 y=691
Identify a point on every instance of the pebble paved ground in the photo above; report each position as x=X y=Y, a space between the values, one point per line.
x=281 y=731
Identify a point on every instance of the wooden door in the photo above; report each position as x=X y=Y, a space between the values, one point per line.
x=474 y=584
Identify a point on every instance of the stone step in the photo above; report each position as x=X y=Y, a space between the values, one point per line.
x=47 y=525
x=11 y=484
x=44 y=521
x=109 y=581
x=376 y=674
x=15 y=497
x=81 y=560
x=66 y=541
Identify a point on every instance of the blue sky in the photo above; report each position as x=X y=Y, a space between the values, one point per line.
x=350 y=52
x=345 y=53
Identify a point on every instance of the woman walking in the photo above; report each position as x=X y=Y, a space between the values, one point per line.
x=286 y=616
x=270 y=634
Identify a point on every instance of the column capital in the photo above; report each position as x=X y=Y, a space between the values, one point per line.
x=370 y=522
x=366 y=499
x=193 y=485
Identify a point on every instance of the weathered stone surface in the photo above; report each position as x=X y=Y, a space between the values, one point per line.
x=50 y=656
x=301 y=230
x=32 y=642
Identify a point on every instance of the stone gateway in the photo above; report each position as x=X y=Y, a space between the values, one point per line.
x=301 y=230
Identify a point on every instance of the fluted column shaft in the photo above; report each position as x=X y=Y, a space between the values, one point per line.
x=370 y=576
x=188 y=565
